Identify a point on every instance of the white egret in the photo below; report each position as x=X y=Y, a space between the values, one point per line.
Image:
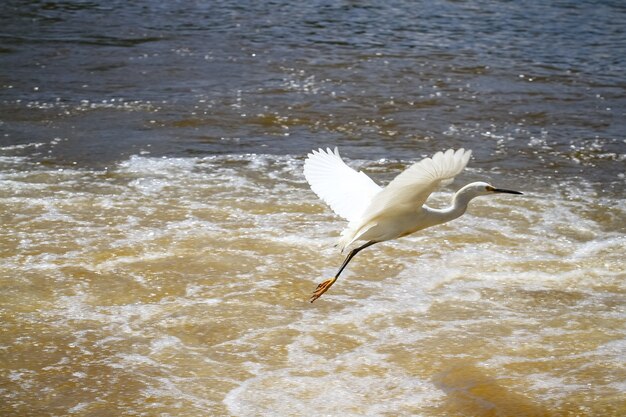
x=378 y=214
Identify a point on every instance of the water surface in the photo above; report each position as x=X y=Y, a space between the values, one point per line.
x=159 y=242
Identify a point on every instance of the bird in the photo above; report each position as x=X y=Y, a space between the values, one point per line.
x=376 y=214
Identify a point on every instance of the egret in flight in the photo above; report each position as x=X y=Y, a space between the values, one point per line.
x=377 y=214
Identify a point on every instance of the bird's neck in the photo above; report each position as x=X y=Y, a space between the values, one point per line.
x=459 y=203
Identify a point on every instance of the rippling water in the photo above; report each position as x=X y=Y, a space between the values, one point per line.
x=159 y=242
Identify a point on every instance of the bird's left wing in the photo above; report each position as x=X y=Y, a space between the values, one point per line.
x=345 y=190
x=411 y=188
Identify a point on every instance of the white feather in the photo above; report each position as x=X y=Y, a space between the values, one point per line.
x=408 y=191
x=414 y=185
x=346 y=191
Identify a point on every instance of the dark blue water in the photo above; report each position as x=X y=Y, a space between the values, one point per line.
x=532 y=86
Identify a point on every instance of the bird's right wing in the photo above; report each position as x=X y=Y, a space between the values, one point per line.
x=345 y=190
x=412 y=187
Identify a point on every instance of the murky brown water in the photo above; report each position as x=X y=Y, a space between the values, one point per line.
x=159 y=243
x=179 y=287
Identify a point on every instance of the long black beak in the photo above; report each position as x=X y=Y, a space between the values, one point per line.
x=501 y=190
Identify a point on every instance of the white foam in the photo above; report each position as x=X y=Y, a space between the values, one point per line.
x=174 y=390
x=156 y=166
x=22 y=146
x=78 y=408
x=147 y=210
x=166 y=342
x=336 y=393
x=612 y=244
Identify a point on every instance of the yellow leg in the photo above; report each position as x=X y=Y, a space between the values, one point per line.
x=322 y=288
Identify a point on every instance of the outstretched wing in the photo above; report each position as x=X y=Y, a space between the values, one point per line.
x=412 y=187
x=345 y=190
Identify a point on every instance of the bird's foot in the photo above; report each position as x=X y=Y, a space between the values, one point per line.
x=322 y=288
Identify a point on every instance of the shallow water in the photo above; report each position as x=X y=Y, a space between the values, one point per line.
x=179 y=286
x=159 y=242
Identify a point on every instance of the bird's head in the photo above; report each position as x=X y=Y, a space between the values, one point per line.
x=483 y=188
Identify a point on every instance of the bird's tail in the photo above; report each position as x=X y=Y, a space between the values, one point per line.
x=344 y=240
x=351 y=235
